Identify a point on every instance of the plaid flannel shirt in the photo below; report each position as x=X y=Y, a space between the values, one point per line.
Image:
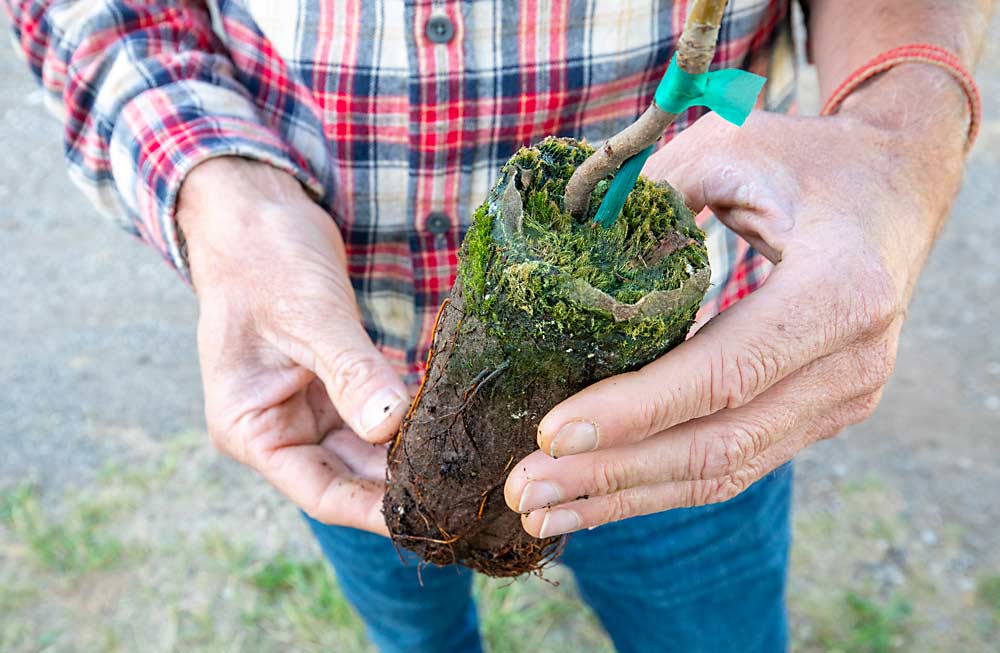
x=394 y=118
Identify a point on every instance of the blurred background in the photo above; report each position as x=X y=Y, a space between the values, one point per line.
x=121 y=529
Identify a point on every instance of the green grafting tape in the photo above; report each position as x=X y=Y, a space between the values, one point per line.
x=729 y=92
x=621 y=186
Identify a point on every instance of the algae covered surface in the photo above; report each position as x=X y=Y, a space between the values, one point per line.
x=543 y=306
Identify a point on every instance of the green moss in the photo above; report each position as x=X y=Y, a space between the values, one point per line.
x=521 y=284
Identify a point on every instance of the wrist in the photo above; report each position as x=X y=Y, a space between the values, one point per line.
x=220 y=206
x=911 y=124
x=232 y=181
x=920 y=107
x=915 y=118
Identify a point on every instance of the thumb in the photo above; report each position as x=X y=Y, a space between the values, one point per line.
x=363 y=387
x=717 y=165
x=691 y=161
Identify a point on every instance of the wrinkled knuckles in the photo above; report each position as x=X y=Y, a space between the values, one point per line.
x=720 y=489
x=623 y=505
x=650 y=414
x=862 y=408
x=880 y=305
x=611 y=476
x=756 y=368
x=350 y=371
x=727 y=453
x=742 y=375
x=876 y=364
x=829 y=425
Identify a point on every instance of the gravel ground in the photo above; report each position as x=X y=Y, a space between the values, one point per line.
x=98 y=367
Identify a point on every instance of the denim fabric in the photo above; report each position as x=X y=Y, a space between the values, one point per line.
x=697 y=580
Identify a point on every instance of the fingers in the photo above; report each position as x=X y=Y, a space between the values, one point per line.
x=364 y=459
x=710 y=164
x=278 y=311
x=642 y=500
x=298 y=445
x=733 y=359
x=705 y=460
x=336 y=478
x=317 y=481
x=712 y=447
x=689 y=156
x=366 y=391
x=590 y=511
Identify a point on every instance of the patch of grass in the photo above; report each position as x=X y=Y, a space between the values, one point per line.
x=288 y=601
x=298 y=602
x=988 y=595
x=14 y=636
x=196 y=630
x=514 y=613
x=306 y=588
x=143 y=476
x=815 y=527
x=15 y=597
x=78 y=543
x=305 y=597
x=863 y=485
x=859 y=624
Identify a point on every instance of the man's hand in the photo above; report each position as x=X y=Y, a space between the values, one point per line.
x=848 y=208
x=291 y=378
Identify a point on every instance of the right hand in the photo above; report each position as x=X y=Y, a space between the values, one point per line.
x=294 y=387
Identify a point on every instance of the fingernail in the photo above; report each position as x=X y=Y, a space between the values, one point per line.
x=575 y=437
x=539 y=494
x=560 y=521
x=378 y=408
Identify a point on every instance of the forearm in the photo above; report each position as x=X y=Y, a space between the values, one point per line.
x=844 y=34
x=921 y=101
x=919 y=113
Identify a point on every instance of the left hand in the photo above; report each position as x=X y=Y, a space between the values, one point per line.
x=847 y=207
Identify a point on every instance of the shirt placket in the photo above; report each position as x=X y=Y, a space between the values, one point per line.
x=435 y=154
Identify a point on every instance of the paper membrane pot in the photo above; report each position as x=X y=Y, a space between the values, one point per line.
x=544 y=305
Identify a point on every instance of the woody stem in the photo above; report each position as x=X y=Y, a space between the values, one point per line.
x=695 y=50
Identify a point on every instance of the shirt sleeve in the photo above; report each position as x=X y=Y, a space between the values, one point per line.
x=146 y=92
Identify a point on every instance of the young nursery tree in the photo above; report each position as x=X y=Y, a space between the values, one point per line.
x=545 y=304
x=573 y=270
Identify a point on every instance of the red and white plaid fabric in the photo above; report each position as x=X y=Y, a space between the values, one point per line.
x=383 y=125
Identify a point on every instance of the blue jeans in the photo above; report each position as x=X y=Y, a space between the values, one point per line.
x=698 y=580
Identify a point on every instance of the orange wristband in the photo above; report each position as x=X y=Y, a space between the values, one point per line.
x=922 y=53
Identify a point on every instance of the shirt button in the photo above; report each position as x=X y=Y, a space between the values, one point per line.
x=439 y=29
x=438 y=223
